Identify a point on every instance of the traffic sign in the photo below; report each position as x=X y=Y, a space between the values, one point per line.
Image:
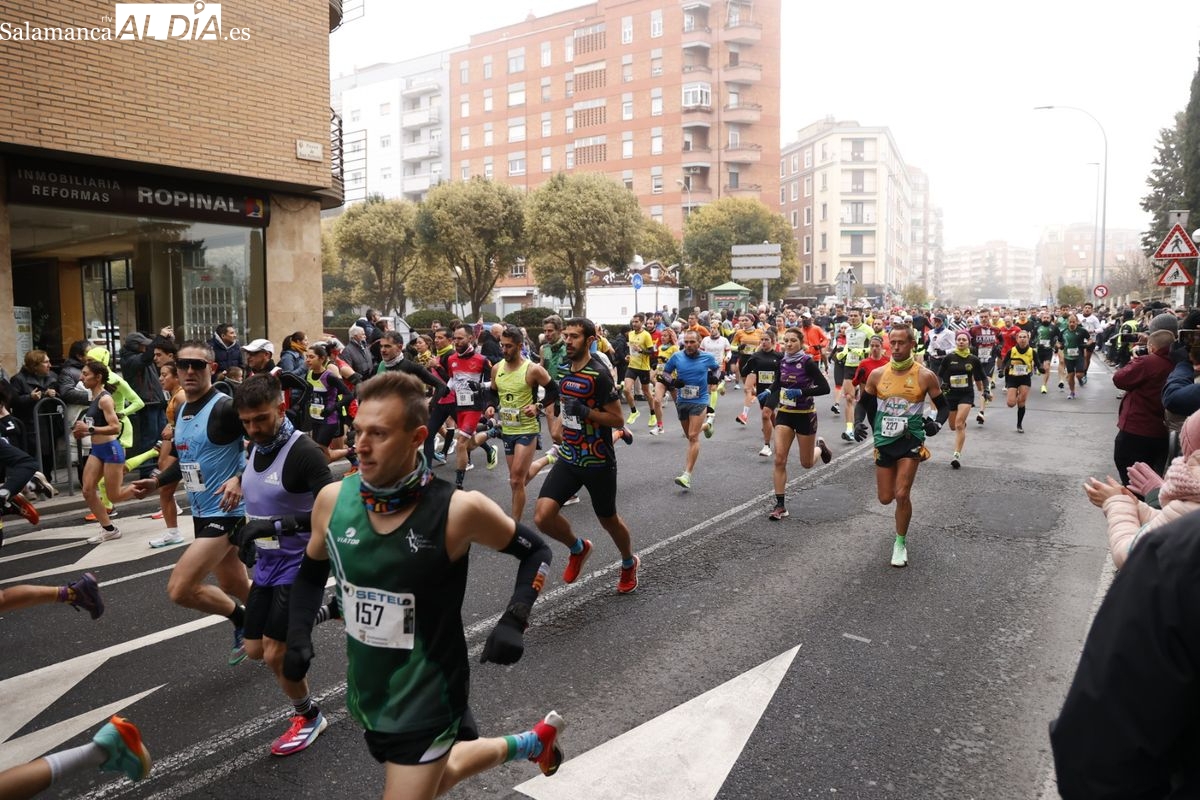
x=750 y=261
x=636 y=281
x=1177 y=245
x=1175 y=275
x=751 y=273
x=1101 y=291
x=766 y=249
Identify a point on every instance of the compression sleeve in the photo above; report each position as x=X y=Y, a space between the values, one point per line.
x=305 y=598
x=550 y=394
x=820 y=384
x=943 y=408
x=534 y=556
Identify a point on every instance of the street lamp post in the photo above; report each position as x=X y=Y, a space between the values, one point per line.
x=1104 y=195
x=457 y=303
x=687 y=187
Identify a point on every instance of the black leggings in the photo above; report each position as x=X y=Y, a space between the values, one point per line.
x=1129 y=448
x=437 y=417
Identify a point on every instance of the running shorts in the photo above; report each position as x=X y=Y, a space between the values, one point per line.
x=513 y=440
x=803 y=424
x=565 y=480
x=214 y=527
x=420 y=747
x=1013 y=381
x=109 y=452
x=688 y=410
x=959 y=397
x=267 y=612
x=467 y=421
x=908 y=447
x=324 y=434
x=641 y=377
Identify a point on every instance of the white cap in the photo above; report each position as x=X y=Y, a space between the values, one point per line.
x=260 y=346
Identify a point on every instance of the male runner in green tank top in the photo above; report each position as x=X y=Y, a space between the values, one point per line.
x=398 y=540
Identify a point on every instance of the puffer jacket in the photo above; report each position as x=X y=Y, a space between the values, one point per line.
x=1129 y=519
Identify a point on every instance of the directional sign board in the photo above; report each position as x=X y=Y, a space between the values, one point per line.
x=755 y=261
x=1175 y=275
x=1101 y=291
x=636 y=281
x=1177 y=245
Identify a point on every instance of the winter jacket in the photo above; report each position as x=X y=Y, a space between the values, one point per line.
x=359 y=358
x=293 y=361
x=1129 y=519
x=23 y=384
x=1142 y=380
x=1181 y=394
x=226 y=356
x=69 y=376
x=139 y=369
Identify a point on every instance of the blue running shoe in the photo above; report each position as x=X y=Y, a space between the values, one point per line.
x=238 y=654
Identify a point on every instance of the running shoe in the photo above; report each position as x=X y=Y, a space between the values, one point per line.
x=572 y=500
x=493 y=457
x=552 y=455
x=655 y=430
x=979 y=417
x=1071 y=396
x=1083 y=379
x=1020 y=429
x=105 y=536
x=470 y=467
x=166 y=540
x=741 y=419
x=547 y=731
x=627 y=580
x=653 y=421
x=826 y=453
x=1061 y=385
x=300 y=734
x=766 y=451
x=954 y=461
x=24 y=508
x=122 y=741
x=43 y=487
x=1043 y=388
x=237 y=653
x=778 y=513
x=835 y=408
x=453 y=445
x=708 y=430
x=899 y=554
x=847 y=436
x=684 y=480
x=87 y=595
x=439 y=460
x=626 y=435
x=720 y=388
x=159 y=514
x=112 y=514
x=575 y=562
x=633 y=417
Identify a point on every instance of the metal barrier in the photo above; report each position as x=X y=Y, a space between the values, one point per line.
x=49 y=409
x=224 y=387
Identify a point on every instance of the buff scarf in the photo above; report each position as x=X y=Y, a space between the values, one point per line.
x=286 y=429
x=965 y=352
x=900 y=366
x=401 y=496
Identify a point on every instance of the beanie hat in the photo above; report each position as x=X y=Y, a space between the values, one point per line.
x=99 y=354
x=1189 y=435
x=1165 y=322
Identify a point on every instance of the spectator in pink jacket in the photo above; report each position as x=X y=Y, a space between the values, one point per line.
x=1178 y=494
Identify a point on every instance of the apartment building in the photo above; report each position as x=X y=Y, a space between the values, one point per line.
x=1068 y=255
x=147 y=181
x=847 y=192
x=677 y=99
x=995 y=271
x=396 y=123
x=927 y=242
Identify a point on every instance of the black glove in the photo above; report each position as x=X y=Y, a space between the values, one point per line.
x=474 y=386
x=506 y=643
x=862 y=431
x=932 y=427
x=244 y=536
x=299 y=654
x=574 y=407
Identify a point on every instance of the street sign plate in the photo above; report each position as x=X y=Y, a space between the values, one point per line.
x=1175 y=275
x=766 y=273
x=757 y=249
x=755 y=261
x=1101 y=291
x=1177 y=245
x=636 y=281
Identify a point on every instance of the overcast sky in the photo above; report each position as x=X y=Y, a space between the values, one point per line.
x=955 y=81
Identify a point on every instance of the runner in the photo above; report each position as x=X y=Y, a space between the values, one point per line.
x=515 y=381
x=894 y=398
x=641 y=348
x=1075 y=343
x=746 y=341
x=168 y=376
x=398 y=540
x=718 y=347
x=467 y=370
x=554 y=356
x=961 y=374
x=116 y=747
x=585 y=458
x=985 y=338
x=798 y=379
x=693 y=372
x=208 y=449
x=764 y=364
x=1018 y=366
x=1045 y=333
x=858 y=337
x=1094 y=326
x=107 y=458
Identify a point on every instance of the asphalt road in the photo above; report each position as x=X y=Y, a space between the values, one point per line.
x=933 y=681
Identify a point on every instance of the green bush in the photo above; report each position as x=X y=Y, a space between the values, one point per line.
x=421 y=319
x=529 y=318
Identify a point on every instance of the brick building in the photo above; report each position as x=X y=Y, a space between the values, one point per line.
x=163 y=176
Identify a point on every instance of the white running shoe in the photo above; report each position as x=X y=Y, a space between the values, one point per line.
x=766 y=451
x=105 y=536
x=166 y=540
x=899 y=554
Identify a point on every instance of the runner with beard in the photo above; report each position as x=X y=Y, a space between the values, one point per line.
x=764 y=364
x=798 y=379
x=1018 y=366
x=961 y=374
x=1075 y=341
x=1045 y=333
x=468 y=370
x=985 y=339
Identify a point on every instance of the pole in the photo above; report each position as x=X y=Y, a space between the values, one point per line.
x=765 y=284
x=1104 y=195
x=1095 y=229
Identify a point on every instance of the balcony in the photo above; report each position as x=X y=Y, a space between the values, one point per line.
x=743 y=112
x=697 y=36
x=697 y=196
x=335 y=15
x=335 y=195
x=744 y=190
x=419 y=151
x=697 y=158
x=696 y=115
x=694 y=70
x=743 y=33
x=416 y=183
x=420 y=117
x=743 y=153
x=415 y=87
x=742 y=72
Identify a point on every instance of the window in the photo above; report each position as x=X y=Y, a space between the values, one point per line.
x=734 y=179
x=656 y=23
x=385 y=109
x=627 y=148
x=626 y=109
x=386 y=173
x=807 y=242
x=656 y=106
x=782 y=167
x=487 y=135
x=656 y=142
x=808 y=215
x=656 y=184
x=516 y=165
x=545 y=90
x=516 y=130
x=808 y=185
x=355 y=114
x=808 y=273
x=735 y=136
x=824 y=212
x=627 y=179
x=546 y=54
x=795 y=190
x=516 y=61
x=824 y=181
x=488 y=172
x=856 y=244
x=591 y=150
x=626 y=30
x=795 y=163
x=656 y=213
x=385 y=141
x=656 y=66
x=824 y=272
x=464 y=108
x=570 y=156
x=569 y=86
x=782 y=195
x=518 y=268
x=626 y=73
x=546 y=132
x=570 y=120
x=824 y=247
x=464 y=171
x=808 y=161
x=464 y=139
x=689 y=142
x=487 y=99
x=796 y=220
x=546 y=163
x=697 y=95
x=516 y=95
x=569 y=49
x=487 y=67
x=464 y=72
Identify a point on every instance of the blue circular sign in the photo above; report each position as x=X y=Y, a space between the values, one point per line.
x=636 y=281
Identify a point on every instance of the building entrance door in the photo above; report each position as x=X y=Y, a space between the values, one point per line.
x=109 y=307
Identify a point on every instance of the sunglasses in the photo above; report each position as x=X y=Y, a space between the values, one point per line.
x=192 y=364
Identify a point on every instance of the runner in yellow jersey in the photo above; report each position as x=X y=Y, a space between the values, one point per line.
x=746 y=340
x=641 y=347
x=1018 y=366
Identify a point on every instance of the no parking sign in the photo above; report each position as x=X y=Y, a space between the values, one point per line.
x=1101 y=291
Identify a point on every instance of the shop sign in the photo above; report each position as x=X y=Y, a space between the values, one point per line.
x=114 y=192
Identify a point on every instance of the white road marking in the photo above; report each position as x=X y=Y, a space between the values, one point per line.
x=862 y=639
x=133 y=545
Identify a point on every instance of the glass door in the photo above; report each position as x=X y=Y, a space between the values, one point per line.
x=109 y=308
